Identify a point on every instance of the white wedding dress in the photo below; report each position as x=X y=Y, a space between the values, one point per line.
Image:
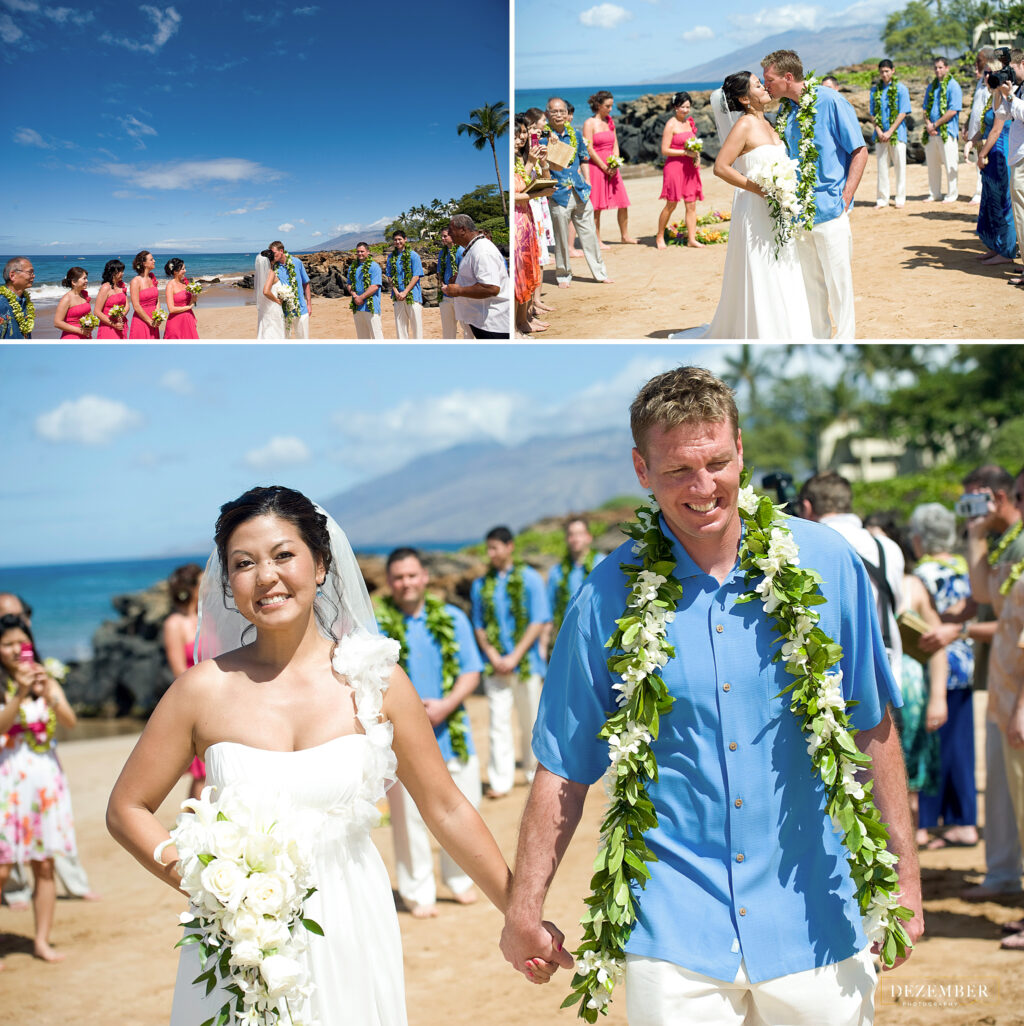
x=269 y=315
x=356 y=967
x=763 y=296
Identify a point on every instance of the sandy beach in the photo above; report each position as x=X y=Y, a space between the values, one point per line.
x=914 y=270
x=121 y=962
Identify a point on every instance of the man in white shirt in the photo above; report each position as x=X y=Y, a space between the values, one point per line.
x=1013 y=107
x=482 y=290
x=828 y=498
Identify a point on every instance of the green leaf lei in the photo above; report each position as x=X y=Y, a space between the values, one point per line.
x=942 y=85
x=515 y=592
x=448 y=254
x=37 y=743
x=573 y=141
x=769 y=556
x=357 y=271
x=891 y=104
x=807 y=152
x=1015 y=571
x=26 y=318
x=404 y=261
x=1008 y=538
x=441 y=627
x=291 y=307
x=562 y=591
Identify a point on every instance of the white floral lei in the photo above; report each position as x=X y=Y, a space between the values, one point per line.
x=640 y=649
x=807 y=152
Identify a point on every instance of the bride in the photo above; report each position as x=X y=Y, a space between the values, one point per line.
x=269 y=313
x=298 y=695
x=763 y=294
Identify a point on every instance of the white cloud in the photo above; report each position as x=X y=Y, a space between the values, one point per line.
x=56 y=244
x=189 y=174
x=30 y=137
x=177 y=381
x=22 y=6
x=754 y=25
x=286 y=227
x=605 y=16
x=240 y=210
x=90 y=420
x=197 y=243
x=166 y=23
x=281 y=451
x=698 y=33
x=61 y=15
x=9 y=32
x=305 y=10
x=316 y=235
x=135 y=128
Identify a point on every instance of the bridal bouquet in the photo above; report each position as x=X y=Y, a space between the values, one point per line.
x=693 y=146
x=245 y=865
x=195 y=287
x=778 y=181
x=90 y=322
x=281 y=291
x=158 y=317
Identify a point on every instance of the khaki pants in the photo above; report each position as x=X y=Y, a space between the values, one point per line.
x=896 y=155
x=408 y=320
x=449 y=325
x=826 y=254
x=1017 y=202
x=582 y=215
x=367 y=324
x=939 y=155
x=505 y=691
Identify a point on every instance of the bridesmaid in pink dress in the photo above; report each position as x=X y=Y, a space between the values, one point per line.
x=144 y=292
x=113 y=292
x=73 y=305
x=181 y=321
x=681 y=177
x=607 y=191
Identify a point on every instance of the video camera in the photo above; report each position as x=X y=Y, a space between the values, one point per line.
x=785 y=491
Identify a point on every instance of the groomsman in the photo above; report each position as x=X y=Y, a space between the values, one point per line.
x=448 y=260
x=510 y=611
x=941 y=128
x=286 y=267
x=888 y=112
x=405 y=270
x=427 y=629
x=565 y=577
x=365 y=280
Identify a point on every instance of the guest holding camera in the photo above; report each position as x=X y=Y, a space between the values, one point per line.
x=1013 y=104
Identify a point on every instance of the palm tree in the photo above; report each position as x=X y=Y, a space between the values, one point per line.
x=486 y=124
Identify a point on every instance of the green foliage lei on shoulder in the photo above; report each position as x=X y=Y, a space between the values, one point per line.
x=26 y=318
x=360 y=272
x=891 y=106
x=562 y=591
x=807 y=151
x=441 y=627
x=292 y=310
x=401 y=261
x=1008 y=538
x=573 y=141
x=942 y=85
x=1015 y=571
x=769 y=557
x=515 y=592
x=448 y=256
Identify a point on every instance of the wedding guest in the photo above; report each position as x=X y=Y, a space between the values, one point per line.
x=1013 y=107
x=995 y=214
x=112 y=293
x=510 y=611
x=35 y=806
x=943 y=100
x=607 y=189
x=181 y=321
x=681 y=175
x=366 y=280
x=144 y=292
x=540 y=206
x=984 y=62
x=570 y=202
x=482 y=290
x=405 y=269
x=447 y=269
x=567 y=576
x=889 y=105
x=444 y=675
x=291 y=272
x=831 y=81
x=527 y=250
x=17 y=312
x=74 y=305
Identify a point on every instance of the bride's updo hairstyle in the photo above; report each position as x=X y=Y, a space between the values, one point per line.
x=734 y=87
x=74 y=273
x=285 y=504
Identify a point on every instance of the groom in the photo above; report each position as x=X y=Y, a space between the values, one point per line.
x=825 y=252
x=292 y=272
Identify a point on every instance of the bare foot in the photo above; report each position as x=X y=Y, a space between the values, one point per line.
x=576 y=253
x=607 y=281
x=537 y=326
x=922 y=838
x=18 y=906
x=47 y=954
x=695 y=245
x=563 y=284
x=627 y=241
x=543 y=307
x=1015 y=942
x=423 y=911
x=467 y=897
x=660 y=244
x=604 y=245
x=997 y=258
x=91 y=896
x=984 y=256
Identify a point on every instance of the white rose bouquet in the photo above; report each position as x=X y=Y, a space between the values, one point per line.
x=282 y=292
x=245 y=865
x=778 y=181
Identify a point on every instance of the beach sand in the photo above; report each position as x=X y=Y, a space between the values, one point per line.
x=121 y=961
x=914 y=270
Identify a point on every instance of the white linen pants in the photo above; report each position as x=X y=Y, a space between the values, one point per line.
x=449 y=323
x=409 y=320
x=582 y=215
x=414 y=860
x=367 y=324
x=503 y=691
x=1002 y=841
x=896 y=155
x=1017 y=202
x=299 y=327
x=663 y=994
x=826 y=255
x=939 y=155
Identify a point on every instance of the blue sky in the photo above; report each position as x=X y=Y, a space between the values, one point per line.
x=216 y=127
x=619 y=42
x=114 y=452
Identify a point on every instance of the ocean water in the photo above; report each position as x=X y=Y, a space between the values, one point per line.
x=51 y=269
x=578 y=95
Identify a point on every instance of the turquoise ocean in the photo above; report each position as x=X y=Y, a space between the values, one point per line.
x=578 y=95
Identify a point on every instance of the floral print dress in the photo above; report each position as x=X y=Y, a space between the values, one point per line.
x=35 y=805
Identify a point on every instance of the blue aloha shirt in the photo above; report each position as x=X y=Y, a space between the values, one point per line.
x=9 y=327
x=948 y=583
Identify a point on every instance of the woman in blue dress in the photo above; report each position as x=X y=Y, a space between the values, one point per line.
x=995 y=215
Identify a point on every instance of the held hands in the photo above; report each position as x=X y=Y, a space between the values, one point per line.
x=534 y=949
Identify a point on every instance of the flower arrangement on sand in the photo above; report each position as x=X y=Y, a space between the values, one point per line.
x=677 y=234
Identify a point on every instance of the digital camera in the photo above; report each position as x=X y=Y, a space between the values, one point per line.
x=973 y=504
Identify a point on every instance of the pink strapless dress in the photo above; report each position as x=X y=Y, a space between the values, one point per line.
x=606 y=193
x=681 y=177
x=114 y=299
x=198 y=767
x=75 y=315
x=149 y=299
x=181 y=325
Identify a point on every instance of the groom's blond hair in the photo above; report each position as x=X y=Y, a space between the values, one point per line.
x=686 y=395
x=785 y=62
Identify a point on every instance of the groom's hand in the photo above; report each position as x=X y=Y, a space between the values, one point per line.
x=534 y=948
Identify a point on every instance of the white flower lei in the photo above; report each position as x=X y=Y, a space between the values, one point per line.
x=770 y=556
x=807 y=152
